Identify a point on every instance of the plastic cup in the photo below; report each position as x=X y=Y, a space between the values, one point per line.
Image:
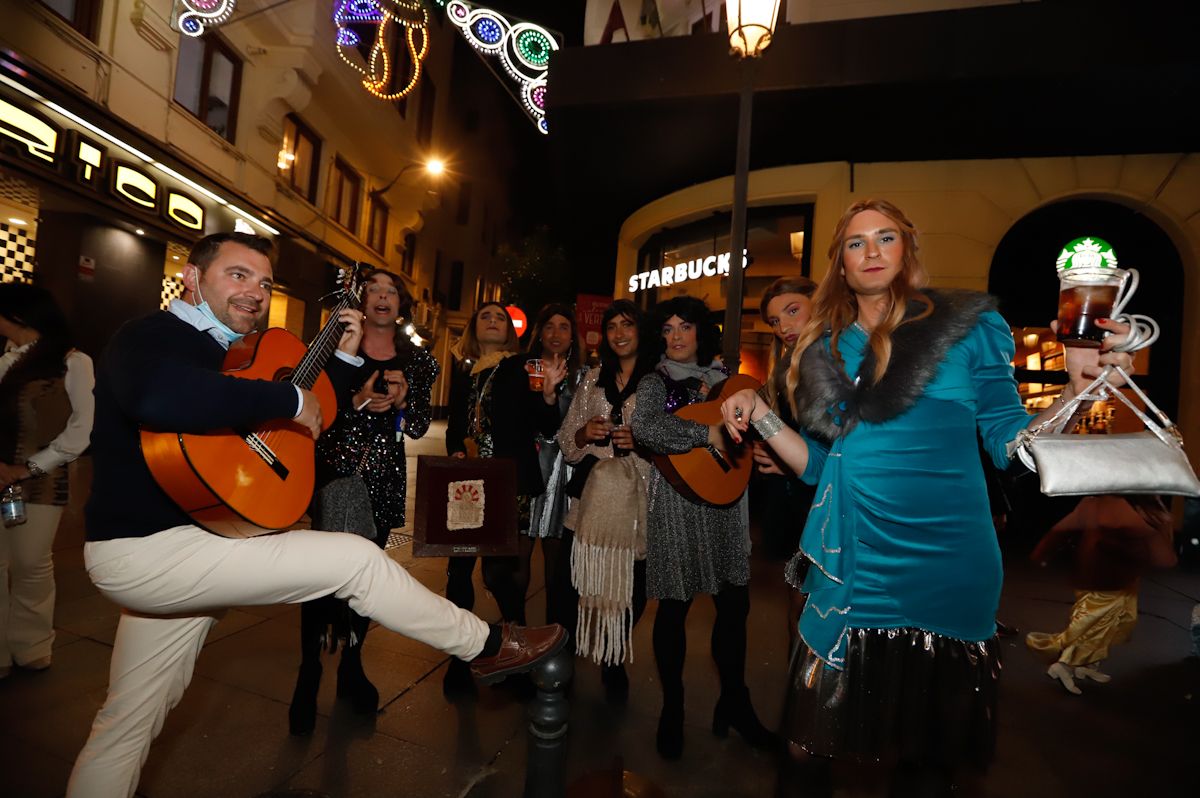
x=537 y=379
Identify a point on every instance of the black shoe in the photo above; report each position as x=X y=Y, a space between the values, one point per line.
x=616 y=683
x=669 y=740
x=458 y=682
x=302 y=714
x=1004 y=630
x=353 y=684
x=737 y=712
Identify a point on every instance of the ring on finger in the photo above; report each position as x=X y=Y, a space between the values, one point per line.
x=737 y=413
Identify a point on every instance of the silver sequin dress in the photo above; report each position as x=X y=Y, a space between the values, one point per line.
x=691 y=547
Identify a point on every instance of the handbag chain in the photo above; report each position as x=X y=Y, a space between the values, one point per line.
x=1100 y=388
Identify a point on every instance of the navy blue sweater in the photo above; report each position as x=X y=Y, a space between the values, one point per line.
x=162 y=373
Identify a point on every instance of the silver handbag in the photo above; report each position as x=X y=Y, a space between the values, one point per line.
x=1151 y=461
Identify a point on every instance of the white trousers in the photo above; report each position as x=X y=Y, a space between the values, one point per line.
x=27 y=586
x=175 y=584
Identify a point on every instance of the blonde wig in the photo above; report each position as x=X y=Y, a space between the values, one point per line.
x=784 y=285
x=835 y=305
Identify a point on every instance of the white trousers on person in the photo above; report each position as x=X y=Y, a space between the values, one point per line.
x=173 y=586
x=27 y=586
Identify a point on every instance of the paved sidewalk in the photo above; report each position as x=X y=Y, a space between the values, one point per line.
x=228 y=738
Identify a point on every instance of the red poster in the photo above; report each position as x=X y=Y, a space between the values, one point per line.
x=588 y=310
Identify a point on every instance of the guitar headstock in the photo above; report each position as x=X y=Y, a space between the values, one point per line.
x=350 y=281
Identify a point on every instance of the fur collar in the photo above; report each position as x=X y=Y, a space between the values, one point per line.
x=830 y=404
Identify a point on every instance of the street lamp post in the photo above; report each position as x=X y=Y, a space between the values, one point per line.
x=751 y=26
x=433 y=167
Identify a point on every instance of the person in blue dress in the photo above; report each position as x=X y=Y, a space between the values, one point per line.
x=890 y=383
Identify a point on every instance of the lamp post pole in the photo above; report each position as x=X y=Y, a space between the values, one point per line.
x=732 y=331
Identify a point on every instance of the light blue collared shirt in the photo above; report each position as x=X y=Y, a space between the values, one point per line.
x=194 y=317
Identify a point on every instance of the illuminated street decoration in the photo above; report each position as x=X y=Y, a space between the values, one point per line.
x=377 y=69
x=522 y=48
x=192 y=17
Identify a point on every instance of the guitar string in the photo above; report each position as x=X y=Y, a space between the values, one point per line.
x=306 y=372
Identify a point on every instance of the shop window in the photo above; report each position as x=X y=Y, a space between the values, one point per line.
x=409 y=260
x=208 y=80
x=425 y=114
x=463 y=214
x=287 y=312
x=377 y=225
x=343 y=194
x=81 y=14
x=299 y=157
x=695 y=259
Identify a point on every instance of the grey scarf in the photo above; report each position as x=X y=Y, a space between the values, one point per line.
x=709 y=375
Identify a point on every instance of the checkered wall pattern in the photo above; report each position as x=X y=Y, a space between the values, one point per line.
x=17 y=256
x=172 y=288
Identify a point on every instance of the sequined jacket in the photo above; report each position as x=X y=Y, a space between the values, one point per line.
x=366 y=443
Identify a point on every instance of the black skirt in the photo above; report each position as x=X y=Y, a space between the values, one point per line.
x=905 y=695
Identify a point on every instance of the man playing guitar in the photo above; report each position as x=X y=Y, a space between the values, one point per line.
x=174 y=579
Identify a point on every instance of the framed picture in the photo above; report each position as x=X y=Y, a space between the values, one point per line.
x=465 y=507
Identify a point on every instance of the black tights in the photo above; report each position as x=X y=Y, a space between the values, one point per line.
x=728 y=642
x=498 y=576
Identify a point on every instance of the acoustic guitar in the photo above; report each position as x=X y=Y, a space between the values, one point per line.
x=243 y=483
x=706 y=473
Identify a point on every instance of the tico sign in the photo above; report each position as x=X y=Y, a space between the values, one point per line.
x=139 y=180
x=37 y=139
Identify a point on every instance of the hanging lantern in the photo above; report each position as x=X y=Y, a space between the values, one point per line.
x=751 y=25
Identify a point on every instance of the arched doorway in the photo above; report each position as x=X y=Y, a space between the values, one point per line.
x=1022 y=276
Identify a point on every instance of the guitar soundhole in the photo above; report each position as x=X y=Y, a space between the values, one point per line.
x=283 y=373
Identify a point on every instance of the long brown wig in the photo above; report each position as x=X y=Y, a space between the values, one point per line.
x=784 y=285
x=835 y=306
x=468 y=345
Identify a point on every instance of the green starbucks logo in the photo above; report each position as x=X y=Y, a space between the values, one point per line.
x=1086 y=254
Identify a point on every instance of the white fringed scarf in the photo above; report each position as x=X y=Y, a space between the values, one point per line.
x=610 y=537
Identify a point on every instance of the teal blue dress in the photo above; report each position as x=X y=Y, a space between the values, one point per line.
x=900 y=533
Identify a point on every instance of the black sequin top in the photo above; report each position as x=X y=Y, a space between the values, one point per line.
x=366 y=443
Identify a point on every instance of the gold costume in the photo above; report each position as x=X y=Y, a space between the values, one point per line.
x=1100 y=619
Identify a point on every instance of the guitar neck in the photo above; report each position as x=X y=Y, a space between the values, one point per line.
x=314 y=360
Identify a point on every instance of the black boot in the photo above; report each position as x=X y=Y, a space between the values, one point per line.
x=458 y=682
x=729 y=652
x=352 y=682
x=735 y=710
x=669 y=739
x=616 y=683
x=670 y=652
x=302 y=714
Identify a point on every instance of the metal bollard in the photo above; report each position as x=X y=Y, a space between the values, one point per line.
x=546 y=765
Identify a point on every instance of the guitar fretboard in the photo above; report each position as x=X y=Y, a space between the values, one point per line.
x=309 y=367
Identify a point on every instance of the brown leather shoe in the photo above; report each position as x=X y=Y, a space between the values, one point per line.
x=521 y=648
